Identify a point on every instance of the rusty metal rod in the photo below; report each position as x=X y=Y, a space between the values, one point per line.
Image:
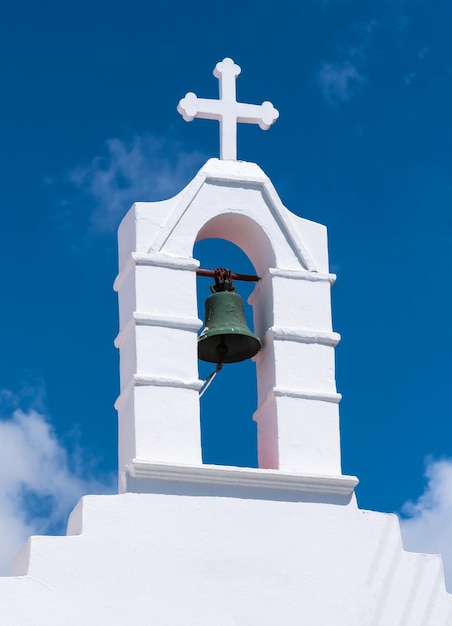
x=245 y=277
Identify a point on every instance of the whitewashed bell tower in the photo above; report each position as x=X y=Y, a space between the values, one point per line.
x=194 y=544
x=297 y=414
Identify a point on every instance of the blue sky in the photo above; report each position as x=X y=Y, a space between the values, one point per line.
x=363 y=145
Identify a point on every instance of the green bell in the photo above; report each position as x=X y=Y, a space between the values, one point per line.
x=226 y=337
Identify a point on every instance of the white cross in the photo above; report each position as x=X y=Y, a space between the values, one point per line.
x=227 y=110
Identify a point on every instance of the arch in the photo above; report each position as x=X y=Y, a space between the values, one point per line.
x=248 y=235
x=245 y=233
x=242 y=189
x=228 y=431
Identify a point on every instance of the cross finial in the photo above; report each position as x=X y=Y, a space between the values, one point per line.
x=227 y=110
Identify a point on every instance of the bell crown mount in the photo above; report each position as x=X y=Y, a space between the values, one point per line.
x=227 y=110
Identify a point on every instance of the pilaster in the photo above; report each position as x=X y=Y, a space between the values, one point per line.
x=158 y=405
x=297 y=414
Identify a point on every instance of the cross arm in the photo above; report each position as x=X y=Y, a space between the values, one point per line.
x=263 y=114
x=191 y=106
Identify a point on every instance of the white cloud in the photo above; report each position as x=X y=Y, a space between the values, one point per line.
x=339 y=81
x=143 y=169
x=40 y=482
x=427 y=523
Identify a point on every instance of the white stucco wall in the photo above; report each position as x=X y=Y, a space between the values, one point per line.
x=204 y=553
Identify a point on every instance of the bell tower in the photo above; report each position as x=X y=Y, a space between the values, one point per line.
x=297 y=414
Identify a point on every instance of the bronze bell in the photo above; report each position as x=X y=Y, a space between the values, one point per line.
x=226 y=337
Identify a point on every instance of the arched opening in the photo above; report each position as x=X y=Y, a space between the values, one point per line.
x=228 y=432
x=246 y=234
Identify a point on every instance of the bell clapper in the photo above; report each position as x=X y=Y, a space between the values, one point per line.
x=209 y=380
x=222 y=350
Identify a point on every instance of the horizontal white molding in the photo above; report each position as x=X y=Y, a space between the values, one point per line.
x=243 y=477
x=151 y=319
x=335 y=398
x=303 y=394
x=304 y=335
x=154 y=319
x=140 y=380
x=156 y=260
x=160 y=381
x=302 y=275
x=165 y=260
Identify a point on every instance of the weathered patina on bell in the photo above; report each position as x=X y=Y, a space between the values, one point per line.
x=226 y=337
